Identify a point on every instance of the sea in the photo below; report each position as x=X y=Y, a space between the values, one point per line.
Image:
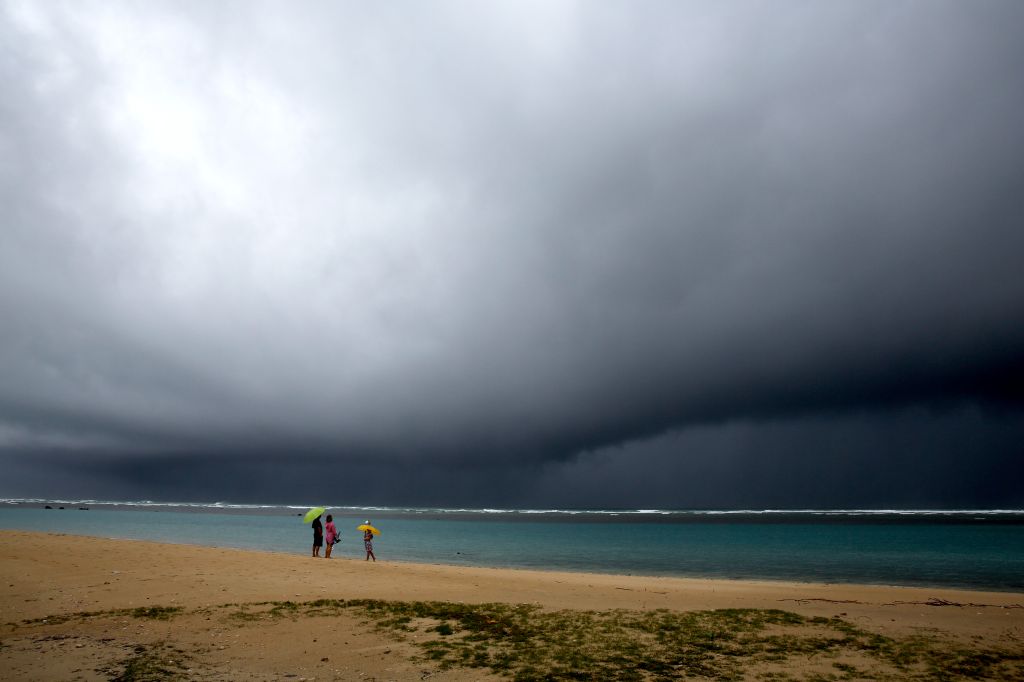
x=972 y=549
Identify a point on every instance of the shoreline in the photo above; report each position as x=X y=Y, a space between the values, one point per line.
x=884 y=554
x=767 y=581
x=150 y=569
x=542 y=570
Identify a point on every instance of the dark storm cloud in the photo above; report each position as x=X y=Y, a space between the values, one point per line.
x=499 y=234
x=912 y=457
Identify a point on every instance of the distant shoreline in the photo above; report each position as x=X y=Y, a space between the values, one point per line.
x=1012 y=516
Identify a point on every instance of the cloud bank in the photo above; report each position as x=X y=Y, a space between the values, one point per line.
x=505 y=236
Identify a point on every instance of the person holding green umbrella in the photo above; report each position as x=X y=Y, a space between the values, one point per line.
x=314 y=515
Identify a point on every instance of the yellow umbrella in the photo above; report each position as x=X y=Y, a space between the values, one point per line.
x=366 y=526
x=313 y=513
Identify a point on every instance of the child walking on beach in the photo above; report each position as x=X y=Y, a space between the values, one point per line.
x=332 y=535
x=368 y=543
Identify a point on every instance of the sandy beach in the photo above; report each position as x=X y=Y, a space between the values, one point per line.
x=81 y=608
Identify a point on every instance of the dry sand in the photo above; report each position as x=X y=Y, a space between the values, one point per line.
x=43 y=576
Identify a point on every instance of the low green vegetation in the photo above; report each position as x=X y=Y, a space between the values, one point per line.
x=150 y=664
x=153 y=612
x=146 y=612
x=526 y=643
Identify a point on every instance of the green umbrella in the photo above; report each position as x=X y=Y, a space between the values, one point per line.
x=313 y=513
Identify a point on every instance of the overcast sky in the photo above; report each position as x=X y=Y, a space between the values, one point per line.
x=679 y=254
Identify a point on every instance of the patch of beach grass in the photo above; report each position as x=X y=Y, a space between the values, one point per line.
x=525 y=642
x=157 y=662
x=244 y=615
x=153 y=612
x=145 y=612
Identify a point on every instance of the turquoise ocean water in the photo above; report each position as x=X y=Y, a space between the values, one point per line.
x=970 y=549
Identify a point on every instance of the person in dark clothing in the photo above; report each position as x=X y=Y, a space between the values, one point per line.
x=318 y=536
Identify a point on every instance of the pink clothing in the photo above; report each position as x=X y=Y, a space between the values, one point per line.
x=332 y=533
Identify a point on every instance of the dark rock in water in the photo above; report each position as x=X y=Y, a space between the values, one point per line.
x=83 y=509
x=62 y=507
x=47 y=507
